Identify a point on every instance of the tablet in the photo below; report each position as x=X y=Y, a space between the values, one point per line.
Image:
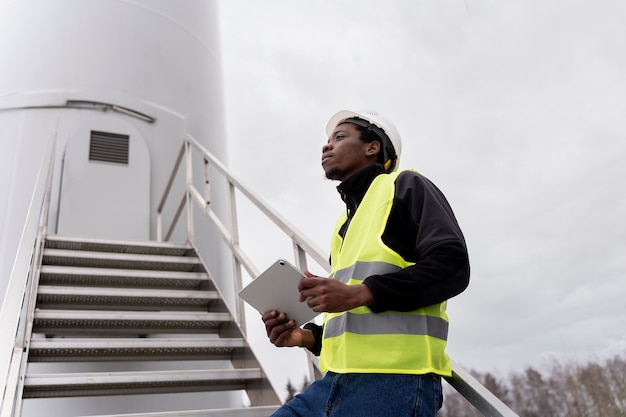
x=277 y=289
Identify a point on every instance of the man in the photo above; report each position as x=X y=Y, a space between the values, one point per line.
x=397 y=255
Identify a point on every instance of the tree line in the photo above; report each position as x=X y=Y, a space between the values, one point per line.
x=564 y=389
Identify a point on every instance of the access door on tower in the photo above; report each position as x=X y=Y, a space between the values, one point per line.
x=105 y=181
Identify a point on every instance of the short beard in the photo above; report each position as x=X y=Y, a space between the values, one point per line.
x=335 y=174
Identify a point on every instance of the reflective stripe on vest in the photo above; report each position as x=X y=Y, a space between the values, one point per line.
x=390 y=342
x=387 y=323
x=361 y=270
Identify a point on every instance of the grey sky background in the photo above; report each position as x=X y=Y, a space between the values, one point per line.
x=516 y=110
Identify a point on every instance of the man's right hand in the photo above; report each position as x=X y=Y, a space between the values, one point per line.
x=282 y=331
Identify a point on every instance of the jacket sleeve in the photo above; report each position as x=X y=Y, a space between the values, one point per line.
x=317 y=334
x=422 y=229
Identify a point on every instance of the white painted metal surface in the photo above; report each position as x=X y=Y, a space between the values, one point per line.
x=146 y=68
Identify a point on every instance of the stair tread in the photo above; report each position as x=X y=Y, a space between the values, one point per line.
x=73 y=270
x=125 y=292
x=127 y=383
x=130 y=315
x=133 y=349
x=121 y=277
x=79 y=254
x=260 y=411
x=73 y=322
x=134 y=343
x=106 y=245
x=81 y=258
x=138 y=377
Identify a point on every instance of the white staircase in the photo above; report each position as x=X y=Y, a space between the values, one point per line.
x=149 y=310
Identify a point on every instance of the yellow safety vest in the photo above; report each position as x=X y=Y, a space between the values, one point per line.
x=389 y=342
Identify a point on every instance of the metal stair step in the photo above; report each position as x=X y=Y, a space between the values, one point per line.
x=49 y=296
x=120 y=246
x=131 y=383
x=67 y=322
x=119 y=260
x=133 y=349
x=261 y=411
x=70 y=275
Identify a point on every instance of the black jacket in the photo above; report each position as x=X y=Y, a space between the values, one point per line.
x=422 y=229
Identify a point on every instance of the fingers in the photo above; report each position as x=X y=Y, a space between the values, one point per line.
x=310 y=281
x=270 y=315
x=278 y=327
x=273 y=319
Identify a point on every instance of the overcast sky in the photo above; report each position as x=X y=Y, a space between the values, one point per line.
x=516 y=110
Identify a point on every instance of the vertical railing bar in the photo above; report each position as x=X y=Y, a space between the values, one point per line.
x=299 y=256
x=159 y=226
x=189 y=182
x=207 y=181
x=239 y=305
x=234 y=220
x=234 y=235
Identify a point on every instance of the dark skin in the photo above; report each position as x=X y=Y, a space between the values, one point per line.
x=343 y=155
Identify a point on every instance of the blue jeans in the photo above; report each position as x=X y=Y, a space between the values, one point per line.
x=367 y=395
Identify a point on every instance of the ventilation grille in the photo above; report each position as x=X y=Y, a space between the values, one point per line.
x=109 y=147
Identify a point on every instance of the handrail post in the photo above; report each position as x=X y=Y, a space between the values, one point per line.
x=207 y=181
x=159 y=227
x=234 y=236
x=299 y=256
x=189 y=185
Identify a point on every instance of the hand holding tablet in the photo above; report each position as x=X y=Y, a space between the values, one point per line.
x=277 y=289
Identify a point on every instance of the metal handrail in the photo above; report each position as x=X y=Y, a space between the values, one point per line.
x=18 y=306
x=479 y=396
x=301 y=244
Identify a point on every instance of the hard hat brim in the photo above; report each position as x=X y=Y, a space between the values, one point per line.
x=338 y=118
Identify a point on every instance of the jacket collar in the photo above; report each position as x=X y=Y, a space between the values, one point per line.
x=353 y=188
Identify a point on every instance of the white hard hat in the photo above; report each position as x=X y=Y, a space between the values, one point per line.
x=390 y=138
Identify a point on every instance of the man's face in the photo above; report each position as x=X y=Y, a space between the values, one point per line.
x=345 y=152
